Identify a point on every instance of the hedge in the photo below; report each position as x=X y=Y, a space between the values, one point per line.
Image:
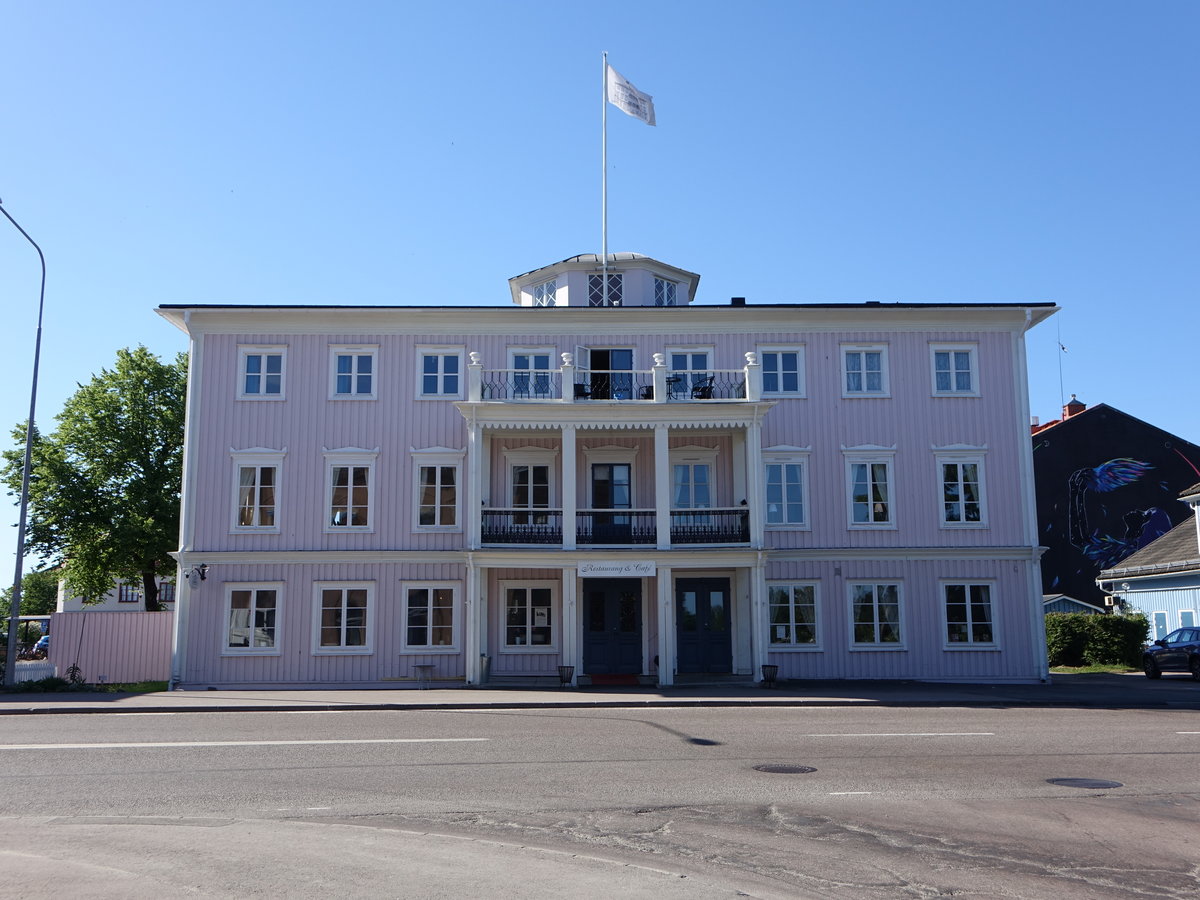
x=1078 y=639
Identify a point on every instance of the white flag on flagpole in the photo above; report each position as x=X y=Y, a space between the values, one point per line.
x=625 y=97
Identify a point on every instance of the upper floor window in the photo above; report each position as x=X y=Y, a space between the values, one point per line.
x=864 y=370
x=531 y=372
x=256 y=486
x=543 y=294
x=350 y=490
x=352 y=372
x=962 y=490
x=343 y=614
x=690 y=375
x=438 y=475
x=251 y=618
x=793 y=615
x=440 y=372
x=616 y=286
x=530 y=484
x=782 y=371
x=786 y=481
x=665 y=292
x=870 y=484
x=954 y=370
x=968 y=609
x=429 y=612
x=261 y=373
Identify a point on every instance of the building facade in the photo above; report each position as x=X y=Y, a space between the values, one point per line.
x=648 y=489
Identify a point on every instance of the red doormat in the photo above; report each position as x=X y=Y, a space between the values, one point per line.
x=616 y=680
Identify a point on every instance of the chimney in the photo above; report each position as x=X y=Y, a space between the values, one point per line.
x=1074 y=408
x=737 y=301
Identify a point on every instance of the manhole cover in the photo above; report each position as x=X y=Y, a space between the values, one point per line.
x=781 y=769
x=1092 y=784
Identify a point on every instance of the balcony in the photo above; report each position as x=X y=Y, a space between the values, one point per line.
x=615 y=528
x=572 y=384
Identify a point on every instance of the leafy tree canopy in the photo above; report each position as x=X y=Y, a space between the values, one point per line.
x=104 y=487
x=39 y=593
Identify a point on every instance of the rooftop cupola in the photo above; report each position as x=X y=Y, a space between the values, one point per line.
x=633 y=280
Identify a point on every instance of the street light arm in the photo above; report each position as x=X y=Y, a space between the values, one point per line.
x=10 y=658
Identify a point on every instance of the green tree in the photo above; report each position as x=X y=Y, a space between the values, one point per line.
x=104 y=487
x=39 y=593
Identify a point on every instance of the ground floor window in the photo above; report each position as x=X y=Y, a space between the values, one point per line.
x=529 y=616
x=429 y=617
x=875 y=614
x=343 y=617
x=968 y=614
x=252 y=613
x=793 y=615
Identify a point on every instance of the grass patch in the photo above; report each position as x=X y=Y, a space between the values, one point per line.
x=1092 y=670
x=136 y=687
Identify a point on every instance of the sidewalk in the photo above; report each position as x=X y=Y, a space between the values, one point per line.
x=1069 y=691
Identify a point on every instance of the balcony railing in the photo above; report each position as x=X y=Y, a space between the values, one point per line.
x=522 y=526
x=521 y=384
x=609 y=527
x=710 y=526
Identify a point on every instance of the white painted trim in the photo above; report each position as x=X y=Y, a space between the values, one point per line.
x=367 y=649
x=336 y=350
x=253 y=587
x=971 y=347
x=870 y=458
x=245 y=350
x=259 y=457
x=350 y=457
x=885 y=377
x=439 y=458
x=457 y=350
x=556 y=623
x=958 y=458
x=875 y=584
x=818 y=623
x=959 y=647
x=456 y=617
x=801 y=371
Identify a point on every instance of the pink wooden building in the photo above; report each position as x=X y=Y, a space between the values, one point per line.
x=652 y=489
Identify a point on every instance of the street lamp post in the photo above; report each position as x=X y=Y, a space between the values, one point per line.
x=10 y=659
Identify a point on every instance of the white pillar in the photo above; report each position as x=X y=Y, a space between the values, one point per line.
x=659 y=373
x=662 y=487
x=473 y=645
x=759 y=624
x=666 y=628
x=570 y=490
x=474 y=376
x=754 y=482
x=474 y=478
x=754 y=383
x=570 y=623
x=567 y=375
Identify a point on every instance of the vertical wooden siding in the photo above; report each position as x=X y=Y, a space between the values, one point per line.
x=114 y=647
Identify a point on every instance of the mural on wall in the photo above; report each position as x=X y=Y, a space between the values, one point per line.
x=1140 y=526
x=1107 y=484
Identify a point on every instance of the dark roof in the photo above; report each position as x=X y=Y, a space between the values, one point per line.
x=1189 y=493
x=1173 y=552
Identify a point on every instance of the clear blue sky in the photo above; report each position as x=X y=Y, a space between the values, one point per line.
x=417 y=153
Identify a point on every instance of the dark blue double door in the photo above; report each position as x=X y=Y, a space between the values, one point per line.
x=702 y=626
x=612 y=626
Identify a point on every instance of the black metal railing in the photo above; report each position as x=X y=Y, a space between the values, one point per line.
x=711 y=384
x=710 y=526
x=518 y=384
x=626 y=526
x=521 y=526
x=607 y=385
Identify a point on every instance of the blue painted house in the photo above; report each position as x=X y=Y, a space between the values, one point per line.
x=1162 y=580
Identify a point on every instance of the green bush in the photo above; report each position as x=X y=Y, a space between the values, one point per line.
x=1078 y=639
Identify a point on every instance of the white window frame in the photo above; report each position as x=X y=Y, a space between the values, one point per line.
x=356 y=458
x=544 y=293
x=801 y=379
x=969 y=643
x=786 y=458
x=670 y=287
x=551 y=369
x=455 y=616
x=254 y=587
x=368 y=647
x=611 y=455
x=264 y=350
x=875 y=585
x=973 y=351
x=692 y=456
x=259 y=458
x=354 y=351
x=441 y=352
x=945 y=457
x=530 y=456
x=871 y=457
x=439 y=458
x=683 y=391
x=793 y=646
x=616 y=287
x=555 y=616
x=885 y=389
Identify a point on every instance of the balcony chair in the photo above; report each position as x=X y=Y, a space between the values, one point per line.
x=703 y=390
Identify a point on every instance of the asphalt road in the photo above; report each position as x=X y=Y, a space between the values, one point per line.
x=558 y=803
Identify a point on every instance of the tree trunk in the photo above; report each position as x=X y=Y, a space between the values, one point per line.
x=150 y=590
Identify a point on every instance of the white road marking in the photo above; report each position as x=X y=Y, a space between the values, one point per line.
x=908 y=734
x=848 y=793
x=160 y=744
x=1187 y=732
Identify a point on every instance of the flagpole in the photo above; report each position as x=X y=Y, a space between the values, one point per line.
x=604 y=176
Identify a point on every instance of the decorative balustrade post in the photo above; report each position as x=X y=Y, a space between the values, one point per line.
x=659 y=373
x=568 y=378
x=475 y=376
x=754 y=381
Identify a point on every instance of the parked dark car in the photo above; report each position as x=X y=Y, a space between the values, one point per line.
x=1179 y=651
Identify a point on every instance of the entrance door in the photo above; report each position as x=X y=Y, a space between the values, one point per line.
x=702 y=625
x=612 y=630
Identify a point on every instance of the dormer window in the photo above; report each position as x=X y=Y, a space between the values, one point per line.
x=543 y=294
x=664 y=292
x=596 y=289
